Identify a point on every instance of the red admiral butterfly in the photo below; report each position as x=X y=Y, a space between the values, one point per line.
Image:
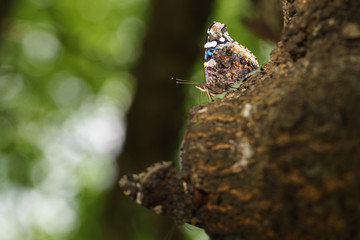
x=226 y=62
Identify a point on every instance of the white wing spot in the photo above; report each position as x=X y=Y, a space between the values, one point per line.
x=210 y=44
x=222 y=39
x=210 y=63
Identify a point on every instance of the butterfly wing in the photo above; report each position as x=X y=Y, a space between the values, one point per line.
x=225 y=61
x=216 y=36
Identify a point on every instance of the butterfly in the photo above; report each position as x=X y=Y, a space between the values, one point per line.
x=226 y=62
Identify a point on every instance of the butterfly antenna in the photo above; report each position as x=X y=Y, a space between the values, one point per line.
x=183 y=81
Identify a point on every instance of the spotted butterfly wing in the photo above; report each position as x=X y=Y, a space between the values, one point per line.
x=226 y=62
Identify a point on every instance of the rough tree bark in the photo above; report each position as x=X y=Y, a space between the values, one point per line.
x=280 y=157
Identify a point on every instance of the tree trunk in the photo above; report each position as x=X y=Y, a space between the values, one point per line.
x=280 y=157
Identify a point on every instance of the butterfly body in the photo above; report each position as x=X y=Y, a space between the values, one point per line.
x=226 y=62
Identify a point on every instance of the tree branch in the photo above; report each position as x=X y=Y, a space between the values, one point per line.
x=279 y=158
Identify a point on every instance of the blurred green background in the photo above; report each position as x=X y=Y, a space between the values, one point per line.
x=66 y=85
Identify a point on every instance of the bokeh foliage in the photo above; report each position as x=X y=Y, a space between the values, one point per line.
x=65 y=87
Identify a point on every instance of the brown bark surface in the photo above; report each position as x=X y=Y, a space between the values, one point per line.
x=280 y=157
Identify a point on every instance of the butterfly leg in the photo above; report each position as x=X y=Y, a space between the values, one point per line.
x=208 y=93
